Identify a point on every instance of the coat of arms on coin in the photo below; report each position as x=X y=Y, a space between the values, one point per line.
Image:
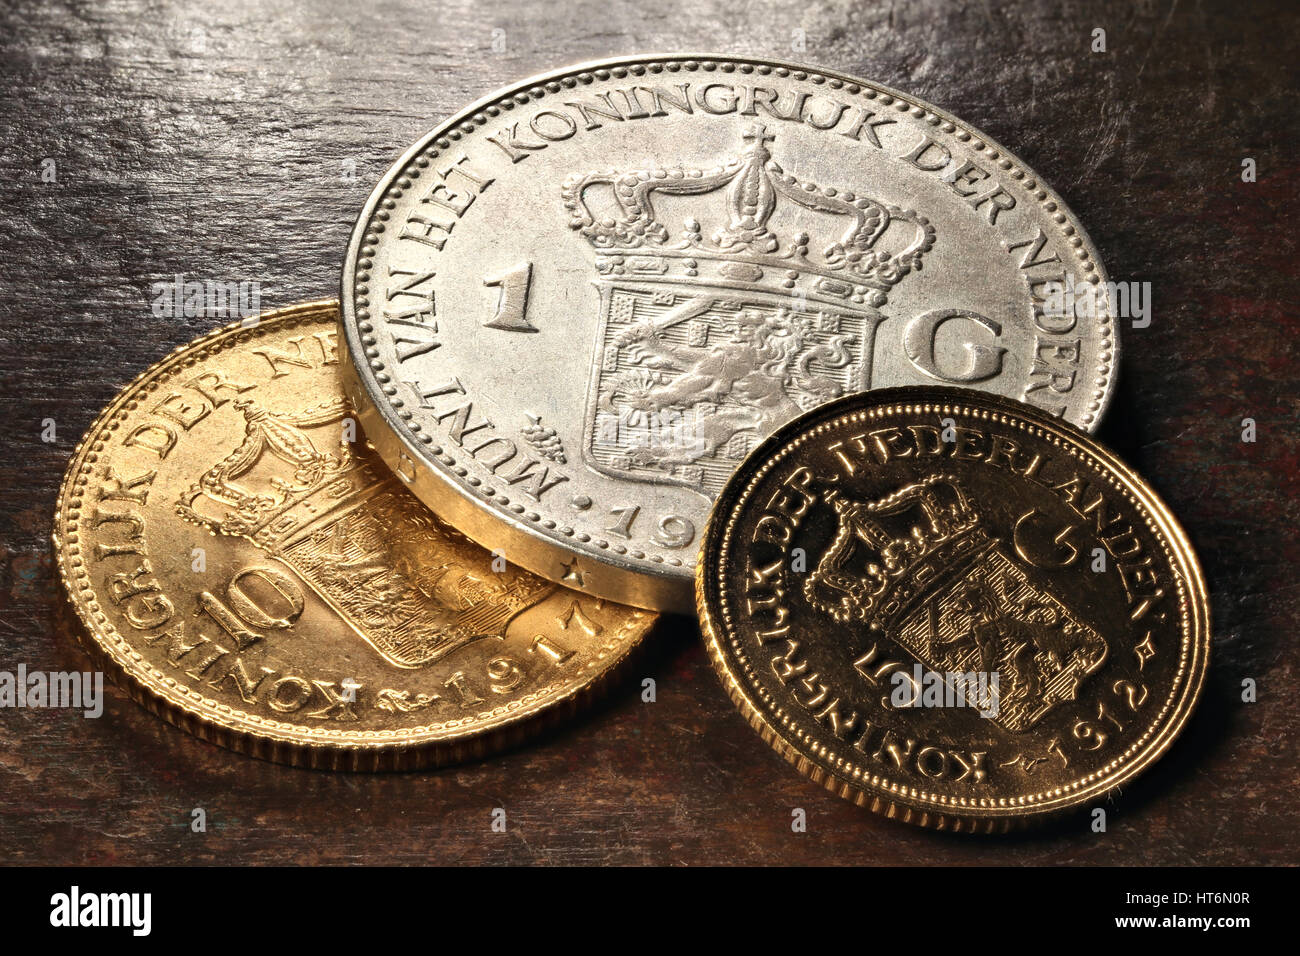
x=411 y=587
x=949 y=594
x=707 y=343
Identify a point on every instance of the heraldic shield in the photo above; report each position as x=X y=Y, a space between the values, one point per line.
x=942 y=588
x=410 y=586
x=709 y=340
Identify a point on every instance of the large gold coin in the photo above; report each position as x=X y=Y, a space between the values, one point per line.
x=952 y=608
x=251 y=572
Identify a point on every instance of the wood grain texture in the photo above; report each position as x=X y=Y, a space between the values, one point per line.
x=215 y=140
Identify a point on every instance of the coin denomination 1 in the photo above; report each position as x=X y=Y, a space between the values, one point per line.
x=573 y=308
x=951 y=608
x=247 y=568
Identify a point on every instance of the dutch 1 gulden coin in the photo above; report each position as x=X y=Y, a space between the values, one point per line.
x=247 y=569
x=575 y=306
x=952 y=609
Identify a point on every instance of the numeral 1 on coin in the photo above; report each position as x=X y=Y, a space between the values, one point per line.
x=512 y=302
x=553 y=651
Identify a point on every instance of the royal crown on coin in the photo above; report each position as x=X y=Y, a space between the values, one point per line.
x=891 y=554
x=277 y=484
x=843 y=248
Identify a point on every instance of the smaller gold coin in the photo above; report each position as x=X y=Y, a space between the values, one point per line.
x=952 y=608
x=249 y=570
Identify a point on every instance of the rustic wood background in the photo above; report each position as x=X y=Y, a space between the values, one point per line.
x=216 y=140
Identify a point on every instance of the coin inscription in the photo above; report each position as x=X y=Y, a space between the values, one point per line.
x=952 y=609
x=244 y=563
x=665 y=259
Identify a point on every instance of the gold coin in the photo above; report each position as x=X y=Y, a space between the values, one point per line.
x=249 y=570
x=952 y=608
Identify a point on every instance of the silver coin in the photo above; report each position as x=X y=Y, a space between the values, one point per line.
x=573 y=308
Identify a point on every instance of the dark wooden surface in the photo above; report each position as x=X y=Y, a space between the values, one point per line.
x=214 y=140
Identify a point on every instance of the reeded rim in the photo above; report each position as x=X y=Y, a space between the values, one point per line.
x=709 y=602
x=308 y=747
x=646 y=585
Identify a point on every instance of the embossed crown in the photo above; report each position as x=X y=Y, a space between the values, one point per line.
x=876 y=573
x=870 y=245
x=277 y=486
